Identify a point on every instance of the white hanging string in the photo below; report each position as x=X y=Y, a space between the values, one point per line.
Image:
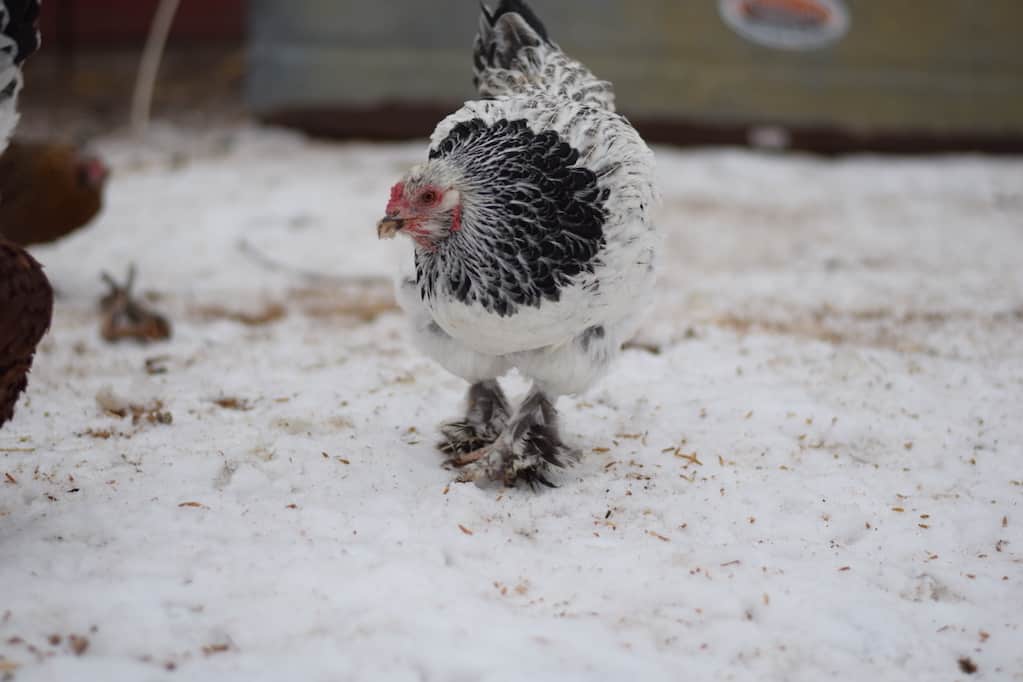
x=149 y=65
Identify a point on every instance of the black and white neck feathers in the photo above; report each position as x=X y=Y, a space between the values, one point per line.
x=532 y=218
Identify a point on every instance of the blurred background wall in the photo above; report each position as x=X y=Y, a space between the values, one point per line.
x=79 y=84
x=829 y=75
x=90 y=24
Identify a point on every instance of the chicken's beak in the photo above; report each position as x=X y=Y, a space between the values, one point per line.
x=388 y=227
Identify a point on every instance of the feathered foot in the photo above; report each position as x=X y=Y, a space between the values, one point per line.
x=526 y=451
x=484 y=421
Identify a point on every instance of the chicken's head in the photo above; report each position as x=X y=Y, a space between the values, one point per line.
x=92 y=173
x=424 y=205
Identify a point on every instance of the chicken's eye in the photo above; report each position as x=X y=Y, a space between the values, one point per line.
x=428 y=197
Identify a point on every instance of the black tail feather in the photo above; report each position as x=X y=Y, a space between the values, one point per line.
x=523 y=10
x=21 y=27
x=499 y=42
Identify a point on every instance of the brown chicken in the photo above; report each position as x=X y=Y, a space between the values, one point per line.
x=26 y=305
x=47 y=190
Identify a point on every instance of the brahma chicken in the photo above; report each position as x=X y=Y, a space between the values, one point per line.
x=533 y=244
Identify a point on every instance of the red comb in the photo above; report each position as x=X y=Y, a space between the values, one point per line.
x=95 y=171
x=396 y=195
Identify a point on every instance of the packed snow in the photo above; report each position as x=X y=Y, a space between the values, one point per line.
x=809 y=464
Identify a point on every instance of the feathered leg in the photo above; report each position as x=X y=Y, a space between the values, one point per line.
x=484 y=421
x=527 y=448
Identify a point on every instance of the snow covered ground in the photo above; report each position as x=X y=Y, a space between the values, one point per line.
x=811 y=469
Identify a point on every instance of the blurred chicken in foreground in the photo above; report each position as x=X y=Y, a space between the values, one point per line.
x=26 y=306
x=26 y=299
x=47 y=190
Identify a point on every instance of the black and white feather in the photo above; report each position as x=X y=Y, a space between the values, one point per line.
x=553 y=262
x=18 y=39
x=513 y=55
x=556 y=202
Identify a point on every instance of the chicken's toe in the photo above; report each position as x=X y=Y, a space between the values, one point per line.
x=485 y=419
x=462 y=438
x=461 y=459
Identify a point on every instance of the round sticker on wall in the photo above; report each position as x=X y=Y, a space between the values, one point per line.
x=787 y=24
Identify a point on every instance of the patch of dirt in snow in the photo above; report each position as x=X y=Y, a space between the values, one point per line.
x=807 y=466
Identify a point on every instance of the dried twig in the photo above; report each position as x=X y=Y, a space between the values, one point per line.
x=126 y=318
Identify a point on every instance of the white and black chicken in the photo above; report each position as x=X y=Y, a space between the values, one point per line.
x=534 y=244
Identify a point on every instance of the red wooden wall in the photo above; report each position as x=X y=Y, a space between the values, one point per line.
x=110 y=23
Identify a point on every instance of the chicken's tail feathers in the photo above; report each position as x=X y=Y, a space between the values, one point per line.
x=524 y=11
x=504 y=32
x=18 y=20
x=18 y=38
x=513 y=56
